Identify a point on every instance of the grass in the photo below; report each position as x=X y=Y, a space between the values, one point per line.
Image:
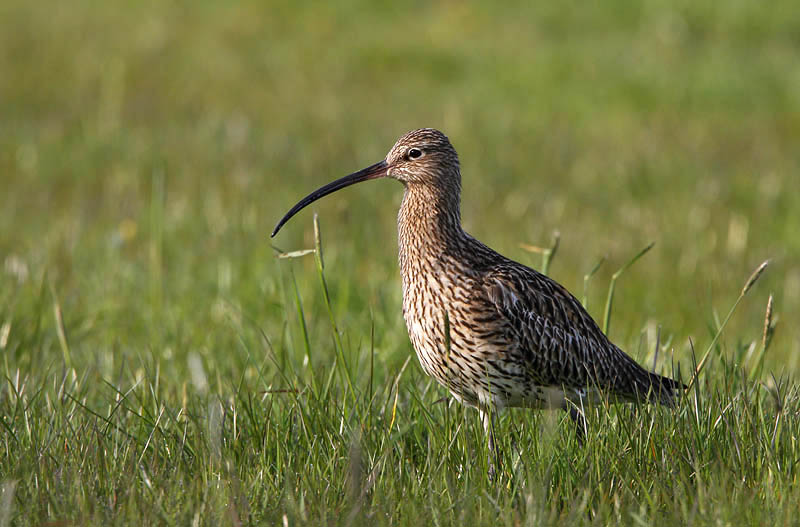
x=161 y=365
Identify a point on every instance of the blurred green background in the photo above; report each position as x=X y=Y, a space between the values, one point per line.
x=148 y=148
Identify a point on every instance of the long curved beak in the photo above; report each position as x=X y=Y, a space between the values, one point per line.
x=371 y=172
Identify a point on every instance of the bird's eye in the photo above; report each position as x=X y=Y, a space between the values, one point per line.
x=414 y=153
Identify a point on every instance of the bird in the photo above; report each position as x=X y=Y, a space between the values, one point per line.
x=493 y=331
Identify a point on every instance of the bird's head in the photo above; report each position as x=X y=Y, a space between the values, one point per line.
x=421 y=157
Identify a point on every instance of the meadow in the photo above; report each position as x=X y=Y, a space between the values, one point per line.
x=165 y=362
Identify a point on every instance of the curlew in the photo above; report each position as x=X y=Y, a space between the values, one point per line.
x=494 y=332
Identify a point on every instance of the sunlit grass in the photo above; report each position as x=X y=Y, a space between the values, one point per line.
x=331 y=446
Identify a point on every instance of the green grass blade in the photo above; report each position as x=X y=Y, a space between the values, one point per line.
x=613 y=284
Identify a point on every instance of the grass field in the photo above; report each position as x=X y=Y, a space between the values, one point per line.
x=161 y=366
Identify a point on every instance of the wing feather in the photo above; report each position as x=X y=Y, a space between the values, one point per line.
x=559 y=340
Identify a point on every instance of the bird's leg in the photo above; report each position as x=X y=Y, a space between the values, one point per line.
x=579 y=420
x=488 y=418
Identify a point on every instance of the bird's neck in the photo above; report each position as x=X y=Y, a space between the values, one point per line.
x=429 y=225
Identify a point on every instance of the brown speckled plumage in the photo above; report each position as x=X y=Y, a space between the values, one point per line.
x=516 y=337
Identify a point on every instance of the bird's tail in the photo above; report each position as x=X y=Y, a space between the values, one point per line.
x=663 y=389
